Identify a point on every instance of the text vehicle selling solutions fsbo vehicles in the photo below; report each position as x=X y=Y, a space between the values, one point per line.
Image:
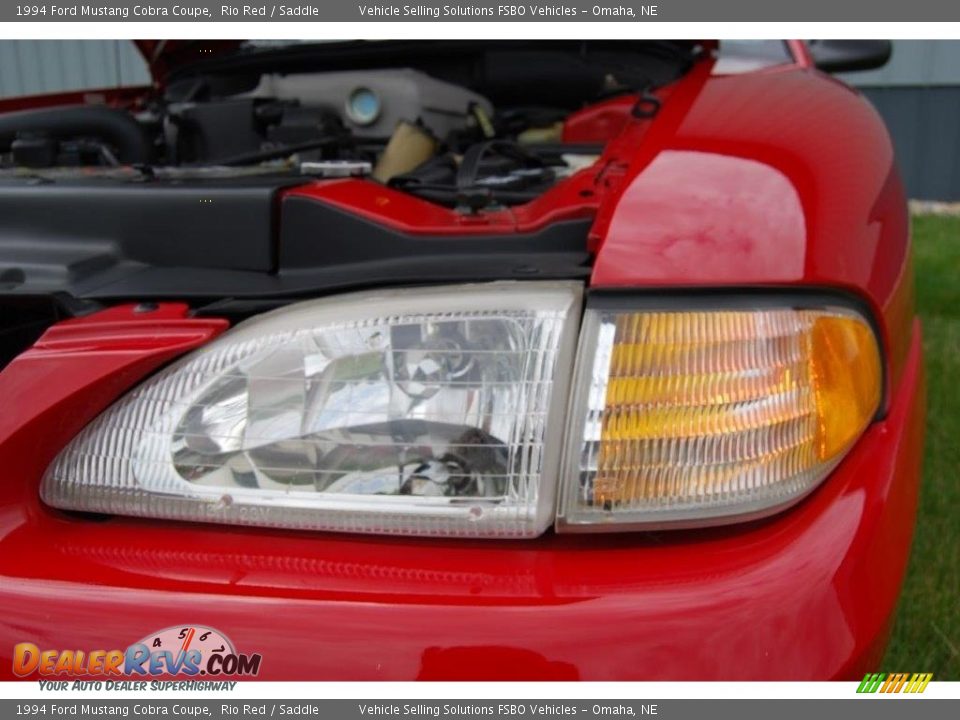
x=456 y=360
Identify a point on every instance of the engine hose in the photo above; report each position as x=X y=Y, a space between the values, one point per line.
x=114 y=126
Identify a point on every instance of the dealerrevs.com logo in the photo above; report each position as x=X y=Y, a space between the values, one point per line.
x=184 y=650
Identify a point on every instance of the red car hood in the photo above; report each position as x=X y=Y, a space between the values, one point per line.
x=165 y=56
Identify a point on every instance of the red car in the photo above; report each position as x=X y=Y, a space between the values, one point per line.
x=456 y=360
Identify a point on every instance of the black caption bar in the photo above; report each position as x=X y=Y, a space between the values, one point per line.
x=484 y=11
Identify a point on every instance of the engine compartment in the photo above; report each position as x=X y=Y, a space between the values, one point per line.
x=479 y=129
x=208 y=188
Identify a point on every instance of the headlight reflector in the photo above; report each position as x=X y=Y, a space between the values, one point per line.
x=433 y=411
x=692 y=417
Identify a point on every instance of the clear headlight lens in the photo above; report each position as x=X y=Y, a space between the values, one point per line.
x=708 y=416
x=434 y=411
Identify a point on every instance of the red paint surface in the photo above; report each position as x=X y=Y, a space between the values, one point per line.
x=801 y=53
x=125 y=97
x=599 y=122
x=571 y=200
x=730 y=162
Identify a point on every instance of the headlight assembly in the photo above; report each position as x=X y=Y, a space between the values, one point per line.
x=457 y=411
x=435 y=411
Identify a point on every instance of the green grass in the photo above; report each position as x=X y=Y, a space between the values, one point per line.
x=926 y=633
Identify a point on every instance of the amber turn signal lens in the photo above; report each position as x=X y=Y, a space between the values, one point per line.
x=846 y=379
x=712 y=416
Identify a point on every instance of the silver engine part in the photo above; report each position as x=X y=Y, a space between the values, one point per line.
x=373 y=102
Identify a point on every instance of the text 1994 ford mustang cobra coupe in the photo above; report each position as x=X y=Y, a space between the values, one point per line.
x=457 y=361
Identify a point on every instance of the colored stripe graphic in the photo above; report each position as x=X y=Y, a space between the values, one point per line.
x=918 y=683
x=894 y=682
x=871 y=682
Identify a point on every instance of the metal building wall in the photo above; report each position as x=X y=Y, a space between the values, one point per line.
x=29 y=67
x=918 y=95
x=924 y=123
x=914 y=62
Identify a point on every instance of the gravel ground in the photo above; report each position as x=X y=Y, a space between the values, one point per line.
x=934 y=207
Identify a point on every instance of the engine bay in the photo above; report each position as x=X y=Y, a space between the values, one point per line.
x=473 y=131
